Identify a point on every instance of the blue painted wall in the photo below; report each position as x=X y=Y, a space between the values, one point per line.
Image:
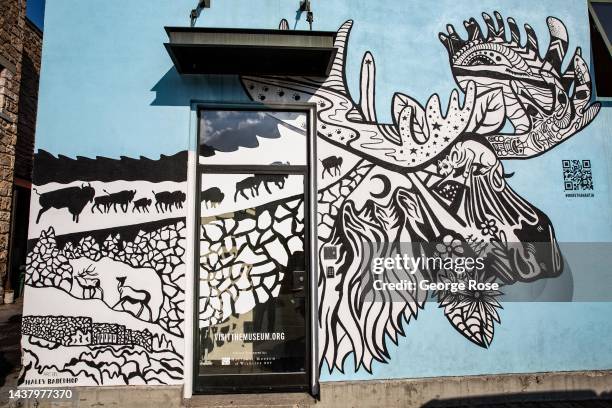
x=108 y=88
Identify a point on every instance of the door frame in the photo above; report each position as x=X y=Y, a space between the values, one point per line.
x=309 y=171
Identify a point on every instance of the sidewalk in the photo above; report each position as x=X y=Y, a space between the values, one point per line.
x=10 y=353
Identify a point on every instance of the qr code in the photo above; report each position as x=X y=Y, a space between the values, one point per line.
x=577 y=175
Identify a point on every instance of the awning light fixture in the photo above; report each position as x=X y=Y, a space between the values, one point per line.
x=305 y=6
x=195 y=13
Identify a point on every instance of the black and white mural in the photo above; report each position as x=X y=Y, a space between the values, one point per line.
x=107 y=244
x=108 y=236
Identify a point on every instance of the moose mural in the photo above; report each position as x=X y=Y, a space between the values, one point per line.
x=443 y=182
x=448 y=186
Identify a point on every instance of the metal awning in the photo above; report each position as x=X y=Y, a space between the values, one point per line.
x=250 y=51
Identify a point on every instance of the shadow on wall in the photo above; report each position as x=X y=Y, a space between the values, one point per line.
x=174 y=89
x=566 y=399
x=10 y=335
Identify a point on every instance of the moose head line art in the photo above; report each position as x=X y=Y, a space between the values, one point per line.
x=442 y=175
x=443 y=183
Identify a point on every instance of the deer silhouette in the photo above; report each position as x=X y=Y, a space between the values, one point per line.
x=133 y=296
x=89 y=281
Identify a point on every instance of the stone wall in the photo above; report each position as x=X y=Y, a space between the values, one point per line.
x=58 y=329
x=28 y=98
x=81 y=331
x=12 y=25
x=20 y=56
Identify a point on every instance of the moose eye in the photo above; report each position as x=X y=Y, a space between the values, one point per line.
x=562 y=99
x=582 y=94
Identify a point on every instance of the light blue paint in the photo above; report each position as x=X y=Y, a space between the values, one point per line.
x=108 y=88
x=533 y=337
x=105 y=66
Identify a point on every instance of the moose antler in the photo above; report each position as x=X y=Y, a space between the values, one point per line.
x=413 y=140
x=500 y=77
x=535 y=90
x=425 y=133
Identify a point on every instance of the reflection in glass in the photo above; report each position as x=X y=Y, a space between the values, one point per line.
x=253 y=137
x=252 y=276
x=223 y=192
x=269 y=338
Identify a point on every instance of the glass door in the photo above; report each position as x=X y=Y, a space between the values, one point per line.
x=253 y=330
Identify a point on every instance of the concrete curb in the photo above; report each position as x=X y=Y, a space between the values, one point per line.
x=501 y=390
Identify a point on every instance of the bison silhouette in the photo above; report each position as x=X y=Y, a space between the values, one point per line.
x=251 y=184
x=331 y=163
x=102 y=204
x=278 y=179
x=142 y=204
x=73 y=198
x=165 y=200
x=121 y=198
x=213 y=195
x=178 y=198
